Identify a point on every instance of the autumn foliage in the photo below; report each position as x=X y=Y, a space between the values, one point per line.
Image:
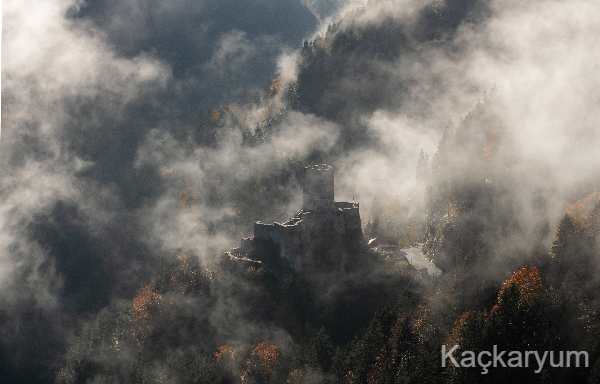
x=267 y=357
x=225 y=350
x=147 y=306
x=275 y=87
x=529 y=283
x=459 y=324
x=375 y=371
x=585 y=215
x=187 y=199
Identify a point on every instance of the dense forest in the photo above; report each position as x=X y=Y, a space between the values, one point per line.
x=501 y=283
x=117 y=226
x=500 y=286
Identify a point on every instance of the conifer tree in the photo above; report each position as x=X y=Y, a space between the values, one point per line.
x=319 y=353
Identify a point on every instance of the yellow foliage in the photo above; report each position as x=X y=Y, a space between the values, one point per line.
x=255 y=272
x=349 y=378
x=211 y=274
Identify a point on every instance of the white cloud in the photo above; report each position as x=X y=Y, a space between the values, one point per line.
x=49 y=61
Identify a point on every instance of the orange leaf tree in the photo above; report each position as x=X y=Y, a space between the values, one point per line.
x=187 y=199
x=264 y=357
x=520 y=319
x=225 y=350
x=148 y=305
x=528 y=281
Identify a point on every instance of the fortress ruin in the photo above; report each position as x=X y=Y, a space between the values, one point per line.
x=288 y=246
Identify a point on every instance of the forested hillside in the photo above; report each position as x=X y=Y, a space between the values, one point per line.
x=141 y=142
x=501 y=285
x=503 y=282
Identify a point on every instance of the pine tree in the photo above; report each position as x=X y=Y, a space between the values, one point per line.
x=319 y=353
x=423 y=167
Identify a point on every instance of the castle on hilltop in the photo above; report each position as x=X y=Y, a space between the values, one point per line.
x=288 y=247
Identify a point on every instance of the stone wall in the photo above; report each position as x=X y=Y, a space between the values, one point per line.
x=320 y=214
x=263 y=231
x=346 y=217
x=318 y=191
x=286 y=236
x=352 y=217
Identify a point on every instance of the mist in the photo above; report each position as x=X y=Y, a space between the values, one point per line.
x=107 y=106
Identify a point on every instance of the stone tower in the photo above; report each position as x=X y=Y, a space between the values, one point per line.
x=318 y=189
x=287 y=248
